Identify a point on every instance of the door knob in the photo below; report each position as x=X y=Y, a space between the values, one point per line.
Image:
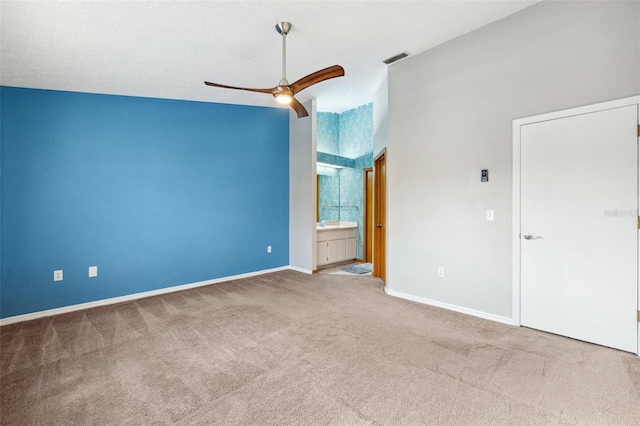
x=379 y=225
x=531 y=237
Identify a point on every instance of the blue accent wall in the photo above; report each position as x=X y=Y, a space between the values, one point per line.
x=155 y=192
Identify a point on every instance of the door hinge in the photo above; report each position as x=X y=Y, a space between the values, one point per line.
x=638 y=316
x=639 y=223
x=639 y=130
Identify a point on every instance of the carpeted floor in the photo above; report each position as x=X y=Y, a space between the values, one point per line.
x=289 y=348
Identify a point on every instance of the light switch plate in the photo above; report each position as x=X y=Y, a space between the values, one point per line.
x=489 y=214
x=93 y=271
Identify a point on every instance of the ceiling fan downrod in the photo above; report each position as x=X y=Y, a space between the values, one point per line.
x=283 y=28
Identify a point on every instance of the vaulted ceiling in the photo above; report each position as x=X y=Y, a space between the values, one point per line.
x=166 y=49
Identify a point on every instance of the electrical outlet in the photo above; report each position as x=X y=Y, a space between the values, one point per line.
x=57 y=275
x=268 y=249
x=440 y=271
x=93 y=271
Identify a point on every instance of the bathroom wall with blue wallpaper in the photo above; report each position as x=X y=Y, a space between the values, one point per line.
x=349 y=135
x=356 y=132
x=328 y=133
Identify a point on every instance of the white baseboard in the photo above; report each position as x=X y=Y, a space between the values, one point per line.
x=304 y=271
x=425 y=301
x=129 y=297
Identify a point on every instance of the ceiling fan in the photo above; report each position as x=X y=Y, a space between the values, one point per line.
x=284 y=92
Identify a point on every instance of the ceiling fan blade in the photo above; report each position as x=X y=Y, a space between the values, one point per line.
x=297 y=106
x=271 y=91
x=317 y=77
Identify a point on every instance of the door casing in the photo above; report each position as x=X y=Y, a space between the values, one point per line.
x=380 y=215
x=367 y=215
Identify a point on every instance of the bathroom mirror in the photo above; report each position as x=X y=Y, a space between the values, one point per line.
x=328 y=197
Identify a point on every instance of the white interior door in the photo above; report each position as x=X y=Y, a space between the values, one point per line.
x=579 y=200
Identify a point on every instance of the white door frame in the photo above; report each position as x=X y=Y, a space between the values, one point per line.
x=633 y=100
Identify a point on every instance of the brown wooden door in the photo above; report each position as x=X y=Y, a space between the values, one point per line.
x=367 y=240
x=380 y=220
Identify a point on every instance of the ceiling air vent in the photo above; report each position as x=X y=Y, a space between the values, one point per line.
x=395 y=58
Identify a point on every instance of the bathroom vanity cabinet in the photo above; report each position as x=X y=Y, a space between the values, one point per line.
x=336 y=244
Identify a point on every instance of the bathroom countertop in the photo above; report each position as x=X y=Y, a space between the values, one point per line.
x=333 y=225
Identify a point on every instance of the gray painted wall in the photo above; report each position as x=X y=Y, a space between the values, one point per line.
x=380 y=117
x=450 y=115
x=302 y=189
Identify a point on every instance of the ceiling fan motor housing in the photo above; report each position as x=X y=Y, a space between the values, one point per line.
x=283 y=27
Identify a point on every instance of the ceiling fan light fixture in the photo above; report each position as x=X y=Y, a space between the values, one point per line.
x=284 y=95
x=283 y=98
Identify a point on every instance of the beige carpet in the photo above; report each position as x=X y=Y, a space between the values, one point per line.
x=289 y=348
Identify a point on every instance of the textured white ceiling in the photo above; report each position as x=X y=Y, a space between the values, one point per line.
x=167 y=49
